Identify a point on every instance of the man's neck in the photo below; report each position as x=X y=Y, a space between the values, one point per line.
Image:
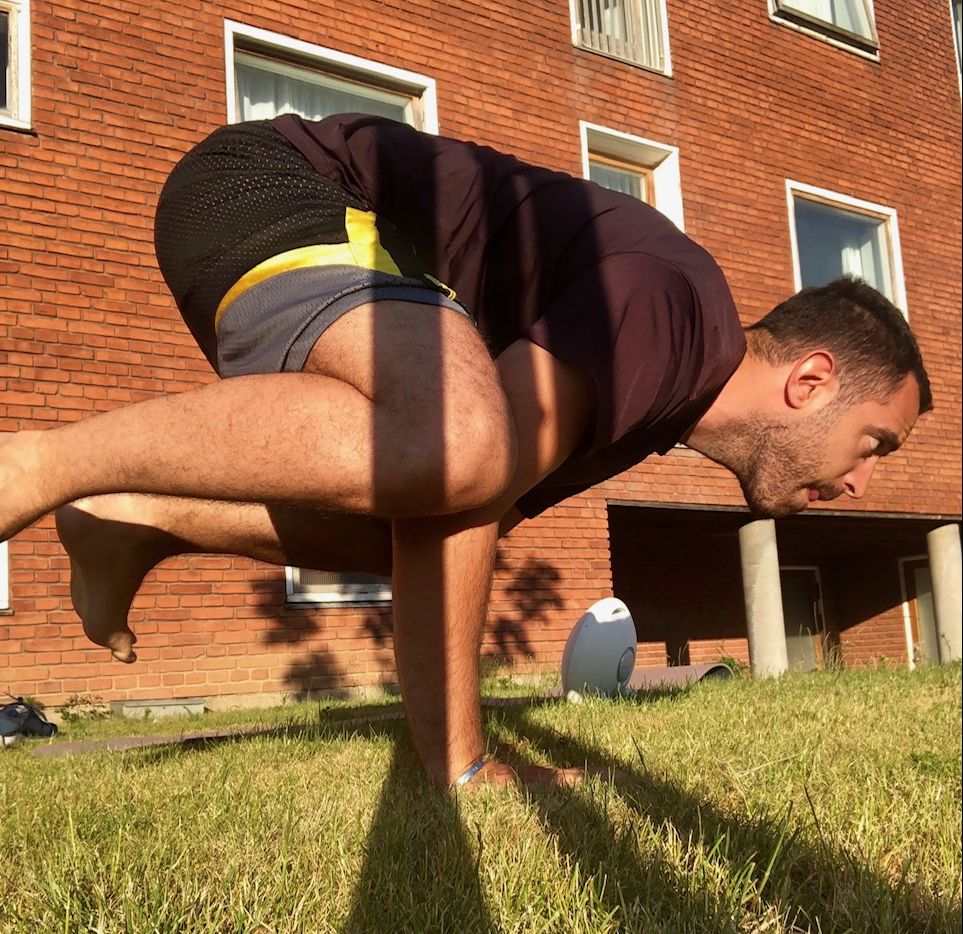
x=745 y=393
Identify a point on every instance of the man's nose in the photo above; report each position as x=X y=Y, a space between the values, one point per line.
x=856 y=482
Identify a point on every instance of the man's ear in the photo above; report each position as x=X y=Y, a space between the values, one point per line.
x=813 y=380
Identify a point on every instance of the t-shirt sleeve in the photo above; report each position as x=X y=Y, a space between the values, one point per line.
x=630 y=323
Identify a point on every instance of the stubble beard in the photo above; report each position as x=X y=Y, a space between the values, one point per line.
x=776 y=463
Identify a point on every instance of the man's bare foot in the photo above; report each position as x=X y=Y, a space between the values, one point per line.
x=110 y=553
x=21 y=490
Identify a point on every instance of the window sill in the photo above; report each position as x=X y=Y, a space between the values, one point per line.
x=864 y=48
x=333 y=603
x=17 y=126
x=665 y=73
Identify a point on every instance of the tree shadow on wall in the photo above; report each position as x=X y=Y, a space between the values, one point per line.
x=322 y=670
x=292 y=625
x=534 y=590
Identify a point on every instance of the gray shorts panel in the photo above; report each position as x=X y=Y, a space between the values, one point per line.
x=272 y=327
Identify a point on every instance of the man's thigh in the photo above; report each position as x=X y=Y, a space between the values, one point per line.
x=438 y=407
x=388 y=349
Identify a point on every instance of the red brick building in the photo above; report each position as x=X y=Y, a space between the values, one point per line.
x=794 y=139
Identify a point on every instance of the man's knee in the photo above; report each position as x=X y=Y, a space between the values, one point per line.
x=485 y=458
x=458 y=464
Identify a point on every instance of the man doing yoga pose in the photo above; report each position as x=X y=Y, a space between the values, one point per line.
x=422 y=342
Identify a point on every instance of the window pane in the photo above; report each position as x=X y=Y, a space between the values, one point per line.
x=626 y=29
x=4 y=59
x=929 y=647
x=833 y=242
x=851 y=15
x=265 y=90
x=624 y=180
x=613 y=20
x=328 y=579
x=340 y=587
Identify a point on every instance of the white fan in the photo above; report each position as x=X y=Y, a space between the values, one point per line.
x=600 y=652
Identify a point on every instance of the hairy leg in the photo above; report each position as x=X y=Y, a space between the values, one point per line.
x=114 y=540
x=388 y=418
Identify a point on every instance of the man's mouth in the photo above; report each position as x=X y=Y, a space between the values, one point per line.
x=822 y=494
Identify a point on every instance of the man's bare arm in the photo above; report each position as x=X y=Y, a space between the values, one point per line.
x=443 y=568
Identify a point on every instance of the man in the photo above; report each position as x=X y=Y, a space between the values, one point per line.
x=425 y=341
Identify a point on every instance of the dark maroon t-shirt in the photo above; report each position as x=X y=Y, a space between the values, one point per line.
x=597 y=278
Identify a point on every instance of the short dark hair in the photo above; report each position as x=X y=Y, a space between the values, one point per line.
x=875 y=349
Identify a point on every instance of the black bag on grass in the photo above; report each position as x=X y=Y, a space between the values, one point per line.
x=19 y=719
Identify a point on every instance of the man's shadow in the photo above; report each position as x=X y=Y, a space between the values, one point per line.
x=422 y=855
x=418 y=847
x=817 y=886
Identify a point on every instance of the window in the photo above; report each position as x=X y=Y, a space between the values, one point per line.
x=919 y=614
x=627 y=177
x=631 y=30
x=803 y=620
x=4 y=578
x=835 y=235
x=270 y=74
x=15 y=63
x=844 y=22
x=636 y=166
x=266 y=88
x=307 y=586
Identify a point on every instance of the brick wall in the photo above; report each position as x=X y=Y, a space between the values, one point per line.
x=86 y=325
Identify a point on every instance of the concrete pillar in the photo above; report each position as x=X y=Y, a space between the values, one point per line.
x=760 y=583
x=943 y=545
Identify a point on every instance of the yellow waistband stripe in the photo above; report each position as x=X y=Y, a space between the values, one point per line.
x=363 y=249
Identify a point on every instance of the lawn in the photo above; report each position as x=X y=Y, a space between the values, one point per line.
x=828 y=802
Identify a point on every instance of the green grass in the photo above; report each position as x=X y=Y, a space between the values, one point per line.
x=827 y=802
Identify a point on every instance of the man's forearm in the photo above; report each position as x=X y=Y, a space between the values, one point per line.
x=441 y=582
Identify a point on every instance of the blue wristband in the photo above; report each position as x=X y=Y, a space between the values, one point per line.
x=470 y=772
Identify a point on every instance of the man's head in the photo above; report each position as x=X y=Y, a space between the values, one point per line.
x=866 y=333
x=834 y=381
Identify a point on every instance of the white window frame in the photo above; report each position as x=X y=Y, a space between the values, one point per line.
x=17 y=114
x=662 y=160
x=4 y=577
x=664 y=25
x=295 y=592
x=957 y=51
x=339 y=64
x=856 y=206
x=858 y=45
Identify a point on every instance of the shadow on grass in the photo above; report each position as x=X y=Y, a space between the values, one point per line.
x=819 y=887
x=420 y=870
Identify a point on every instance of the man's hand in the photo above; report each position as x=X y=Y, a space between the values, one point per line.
x=532 y=777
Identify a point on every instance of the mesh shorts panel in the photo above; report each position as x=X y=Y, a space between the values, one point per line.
x=241 y=196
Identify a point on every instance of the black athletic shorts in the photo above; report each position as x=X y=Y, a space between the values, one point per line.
x=261 y=253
